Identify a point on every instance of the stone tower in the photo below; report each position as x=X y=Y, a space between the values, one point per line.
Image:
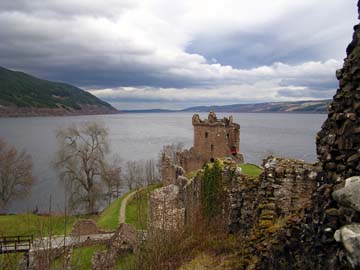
x=214 y=138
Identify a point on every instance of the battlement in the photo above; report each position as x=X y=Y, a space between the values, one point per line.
x=215 y=138
x=212 y=120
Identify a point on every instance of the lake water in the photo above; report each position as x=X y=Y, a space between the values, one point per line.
x=141 y=136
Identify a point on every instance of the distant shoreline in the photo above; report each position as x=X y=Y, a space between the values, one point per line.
x=303 y=107
x=186 y=111
x=45 y=112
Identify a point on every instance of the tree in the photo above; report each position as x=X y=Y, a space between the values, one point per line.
x=15 y=174
x=171 y=151
x=112 y=178
x=151 y=172
x=80 y=161
x=134 y=174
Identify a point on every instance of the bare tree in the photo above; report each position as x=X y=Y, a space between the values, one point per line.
x=135 y=174
x=171 y=151
x=80 y=162
x=113 y=180
x=15 y=174
x=151 y=172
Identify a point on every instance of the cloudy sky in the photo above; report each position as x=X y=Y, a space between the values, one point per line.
x=174 y=54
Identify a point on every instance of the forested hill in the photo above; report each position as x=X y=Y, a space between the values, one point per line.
x=24 y=95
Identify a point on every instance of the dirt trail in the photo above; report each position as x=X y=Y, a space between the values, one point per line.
x=123 y=206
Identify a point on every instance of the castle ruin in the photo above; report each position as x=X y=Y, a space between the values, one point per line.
x=213 y=138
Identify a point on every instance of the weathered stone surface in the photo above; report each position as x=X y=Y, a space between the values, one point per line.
x=124 y=239
x=103 y=260
x=350 y=194
x=338 y=144
x=85 y=227
x=349 y=236
x=166 y=210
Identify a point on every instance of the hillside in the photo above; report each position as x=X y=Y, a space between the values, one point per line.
x=24 y=95
x=310 y=106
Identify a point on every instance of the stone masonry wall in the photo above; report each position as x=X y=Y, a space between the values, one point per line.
x=283 y=190
x=338 y=148
x=166 y=211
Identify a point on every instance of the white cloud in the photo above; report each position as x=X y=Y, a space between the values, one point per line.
x=278 y=82
x=139 y=48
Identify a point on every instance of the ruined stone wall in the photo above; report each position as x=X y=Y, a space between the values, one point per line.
x=168 y=171
x=338 y=148
x=166 y=211
x=191 y=160
x=283 y=190
x=86 y=227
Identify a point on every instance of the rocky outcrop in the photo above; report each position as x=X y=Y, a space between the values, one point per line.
x=349 y=196
x=349 y=236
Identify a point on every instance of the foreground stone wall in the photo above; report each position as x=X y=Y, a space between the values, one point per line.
x=283 y=190
x=338 y=148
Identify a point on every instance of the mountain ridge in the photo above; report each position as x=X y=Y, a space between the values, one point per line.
x=304 y=106
x=22 y=94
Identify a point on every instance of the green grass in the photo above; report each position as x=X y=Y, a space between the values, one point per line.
x=136 y=209
x=81 y=257
x=251 y=169
x=125 y=262
x=11 y=261
x=27 y=224
x=109 y=218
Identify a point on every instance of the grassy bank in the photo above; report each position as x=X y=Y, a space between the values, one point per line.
x=37 y=225
x=109 y=218
x=251 y=169
x=81 y=257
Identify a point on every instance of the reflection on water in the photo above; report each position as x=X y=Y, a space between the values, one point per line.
x=141 y=136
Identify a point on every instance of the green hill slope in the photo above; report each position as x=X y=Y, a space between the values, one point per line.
x=23 y=93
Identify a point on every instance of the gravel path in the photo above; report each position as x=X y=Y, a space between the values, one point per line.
x=60 y=241
x=123 y=206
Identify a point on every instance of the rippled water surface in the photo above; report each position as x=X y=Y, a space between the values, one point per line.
x=141 y=136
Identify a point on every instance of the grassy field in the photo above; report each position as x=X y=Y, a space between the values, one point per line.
x=44 y=225
x=251 y=169
x=136 y=209
x=81 y=257
x=125 y=262
x=109 y=218
x=37 y=225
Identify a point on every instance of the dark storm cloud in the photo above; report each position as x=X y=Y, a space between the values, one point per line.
x=180 y=50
